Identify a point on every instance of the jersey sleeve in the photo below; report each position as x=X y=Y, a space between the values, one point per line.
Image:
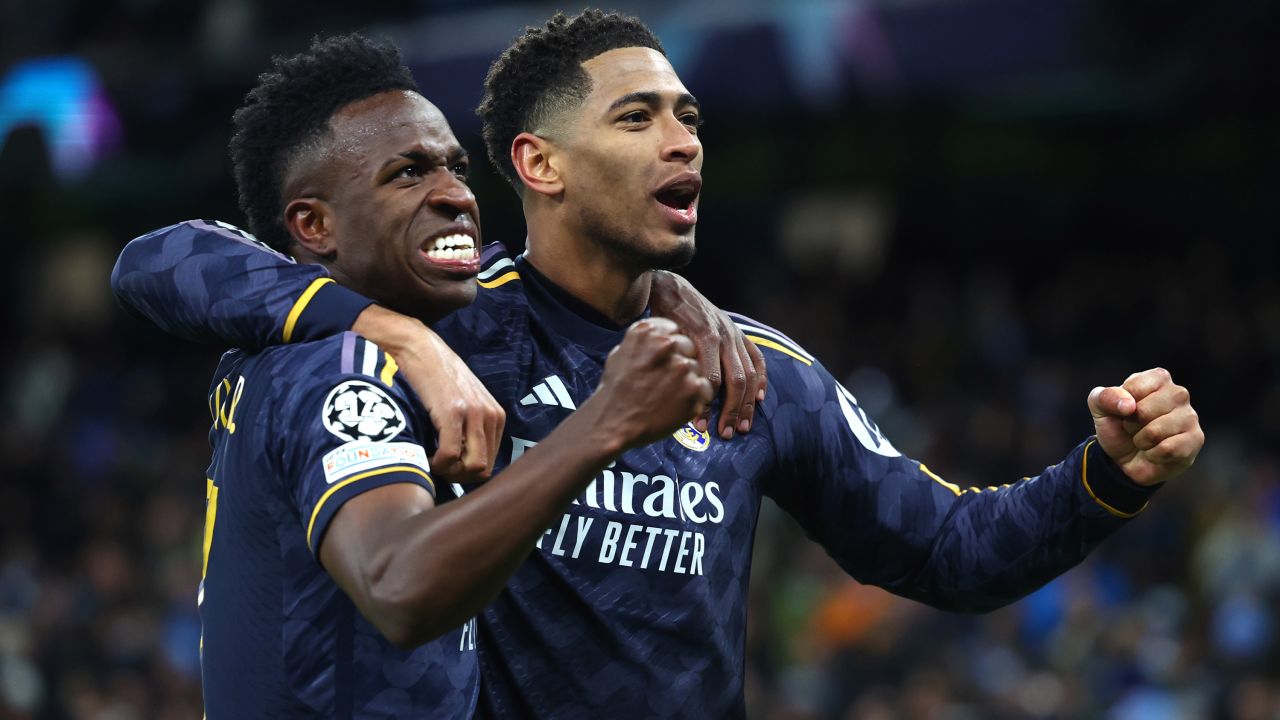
x=212 y=282
x=890 y=521
x=352 y=428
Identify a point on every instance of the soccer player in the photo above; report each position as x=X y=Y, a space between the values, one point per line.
x=328 y=566
x=635 y=604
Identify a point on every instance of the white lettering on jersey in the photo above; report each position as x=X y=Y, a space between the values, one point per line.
x=865 y=430
x=621 y=542
x=635 y=544
x=467 y=638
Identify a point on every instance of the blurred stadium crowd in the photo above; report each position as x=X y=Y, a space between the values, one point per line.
x=972 y=247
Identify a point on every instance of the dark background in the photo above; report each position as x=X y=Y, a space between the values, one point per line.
x=973 y=211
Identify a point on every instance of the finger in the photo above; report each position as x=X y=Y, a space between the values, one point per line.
x=742 y=349
x=1146 y=382
x=682 y=345
x=497 y=420
x=705 y=392
x=1131 y=426
x=699 y=391
x=762 y=370
x=750 y=388
x=708 y=368
x=1180 y=449
x=476 y=454
x=1114 y=402
x=656 y=325
x=1164 y=427
x=733 y=391
x=1162 y=402
x=448 y=456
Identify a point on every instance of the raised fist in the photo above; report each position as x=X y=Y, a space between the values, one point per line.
x=1147 y=426
x=651 y=384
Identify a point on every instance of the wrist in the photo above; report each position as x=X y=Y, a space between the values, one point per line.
x=598 y=429
x=1108 y=485
x=399 y=335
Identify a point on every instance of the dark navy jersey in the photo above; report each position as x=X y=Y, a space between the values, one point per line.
x=297 y=431
x=634 y=603
x=245 y=295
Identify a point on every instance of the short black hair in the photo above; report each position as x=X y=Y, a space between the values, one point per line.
x=291 y=106
x=541 y=73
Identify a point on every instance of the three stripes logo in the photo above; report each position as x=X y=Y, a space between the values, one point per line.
x=550 y=391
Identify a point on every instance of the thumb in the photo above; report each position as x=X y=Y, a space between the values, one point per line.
x=1111 y=402
x=1110 y=407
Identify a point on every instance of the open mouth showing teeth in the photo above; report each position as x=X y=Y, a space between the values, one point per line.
x=452 y=247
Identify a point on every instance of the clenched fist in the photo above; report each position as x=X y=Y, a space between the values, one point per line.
x=651 y=384
x=1147 y=426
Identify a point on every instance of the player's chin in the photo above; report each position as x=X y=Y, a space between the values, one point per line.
x=673 y=251
x=454 y=293
x=440 y=296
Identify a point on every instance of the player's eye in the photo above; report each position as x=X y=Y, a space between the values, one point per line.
x=635 y=117
x=461 y=169
x=409 y=171
x=691 y=120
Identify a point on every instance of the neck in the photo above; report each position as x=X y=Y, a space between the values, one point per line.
x=589 y=272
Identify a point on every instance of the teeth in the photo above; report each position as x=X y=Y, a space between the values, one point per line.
x=453 y=247
x=455 y=241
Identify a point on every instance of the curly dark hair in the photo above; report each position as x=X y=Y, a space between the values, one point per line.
x=541 y=75
x=290 y=107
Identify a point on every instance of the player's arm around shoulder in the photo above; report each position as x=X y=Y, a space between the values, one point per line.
x=210 y=281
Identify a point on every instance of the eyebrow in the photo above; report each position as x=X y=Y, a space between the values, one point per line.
x=653 y=99
x=456 y=154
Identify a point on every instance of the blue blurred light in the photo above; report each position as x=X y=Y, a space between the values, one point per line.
x=64 y=98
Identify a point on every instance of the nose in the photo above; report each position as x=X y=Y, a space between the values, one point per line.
x=451 y=195
x=678 y=143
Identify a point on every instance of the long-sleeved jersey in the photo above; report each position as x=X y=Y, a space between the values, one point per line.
x=298 y=430
x=634 y=603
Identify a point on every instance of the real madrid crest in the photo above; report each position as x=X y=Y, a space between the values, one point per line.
x=692 y=438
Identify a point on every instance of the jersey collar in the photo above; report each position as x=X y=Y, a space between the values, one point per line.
x=566 y=314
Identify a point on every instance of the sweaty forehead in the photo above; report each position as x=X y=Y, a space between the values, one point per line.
x=626 y=70
x=384 y=122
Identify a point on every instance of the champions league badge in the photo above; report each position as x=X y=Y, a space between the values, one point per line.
x=357 y=410
x=692 y=438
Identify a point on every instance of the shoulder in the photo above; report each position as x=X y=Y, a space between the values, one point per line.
x=344 y=384
x=500 y=302
x=799 y=386
x=804 y=397
x=772 y=342
x=302 y=368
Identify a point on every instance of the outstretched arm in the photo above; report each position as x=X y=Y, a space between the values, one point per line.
x=890 y=521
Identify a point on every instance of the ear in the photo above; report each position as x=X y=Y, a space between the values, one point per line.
x=537 y=164
x=309 y=221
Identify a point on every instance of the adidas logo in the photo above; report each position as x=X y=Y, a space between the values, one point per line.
x=550 y=392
